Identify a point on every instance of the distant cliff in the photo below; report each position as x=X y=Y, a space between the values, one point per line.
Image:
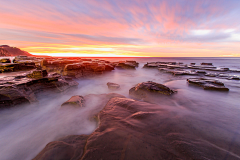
x=6 y=50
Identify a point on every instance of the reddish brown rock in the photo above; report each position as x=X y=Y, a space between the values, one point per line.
x=69 y=147
x=146 y=89
x=131 y=129
x=75 y=101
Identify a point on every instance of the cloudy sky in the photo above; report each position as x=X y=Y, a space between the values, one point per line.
x=156 y=28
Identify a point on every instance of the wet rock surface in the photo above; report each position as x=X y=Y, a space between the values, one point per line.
x=70 y=147
x=14 y=67
x=205 y=69
x=131 y=129
x=75 y=101
x=208 y=84
x=126 y=65
x=113 y=86
x=73 y=67
x=142 y=90
x=23 y=88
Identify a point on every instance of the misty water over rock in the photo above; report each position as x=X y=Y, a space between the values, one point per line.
x=191 y=123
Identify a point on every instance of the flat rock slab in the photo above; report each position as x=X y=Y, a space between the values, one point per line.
x=75 y=101
x=141 y=90
x=136 y=130
x=208 y=84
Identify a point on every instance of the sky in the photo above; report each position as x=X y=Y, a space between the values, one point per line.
x=109 y=28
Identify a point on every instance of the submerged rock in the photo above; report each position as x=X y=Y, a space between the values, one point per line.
x=130 y=129
x=141 y=90
x=75 y=101
x=113 y=85
x=208 y=84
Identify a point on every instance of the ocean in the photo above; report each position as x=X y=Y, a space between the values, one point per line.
x=25 y=130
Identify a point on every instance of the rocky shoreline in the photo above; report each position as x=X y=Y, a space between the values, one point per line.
x=133 y=127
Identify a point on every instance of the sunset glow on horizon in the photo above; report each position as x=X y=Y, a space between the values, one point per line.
x=112 y=28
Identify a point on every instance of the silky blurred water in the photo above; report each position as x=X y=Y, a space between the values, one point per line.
x=25 y=130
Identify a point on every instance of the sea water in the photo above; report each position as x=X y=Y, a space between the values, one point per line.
x=25 y=130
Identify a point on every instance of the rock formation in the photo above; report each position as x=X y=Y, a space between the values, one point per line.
x=23 y=88
x=131 y=129
x=143 y=90
x=208 y=84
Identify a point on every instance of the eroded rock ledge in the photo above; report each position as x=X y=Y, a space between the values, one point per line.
x=131 y=129
x=23 y=88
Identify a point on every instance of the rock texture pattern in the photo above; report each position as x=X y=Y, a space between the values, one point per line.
x=142 y=90
x=136 y=130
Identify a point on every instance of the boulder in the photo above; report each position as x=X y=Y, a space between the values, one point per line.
x=208 y=84
x=113 y=85
x=142 y=90
x=75 y=101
